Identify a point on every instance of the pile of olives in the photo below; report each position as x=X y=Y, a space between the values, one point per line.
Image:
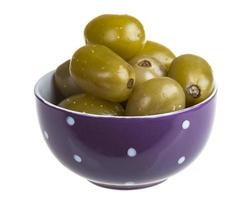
x=118 y=72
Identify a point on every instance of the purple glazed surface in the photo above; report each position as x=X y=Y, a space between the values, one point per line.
x=123 y=152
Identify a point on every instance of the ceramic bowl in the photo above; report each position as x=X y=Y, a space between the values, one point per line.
x=123 y=152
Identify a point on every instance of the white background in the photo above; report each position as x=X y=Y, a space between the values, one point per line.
x=36 y=36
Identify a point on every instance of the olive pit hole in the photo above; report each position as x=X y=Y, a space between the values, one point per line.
x=193 y=90
x=130 y=83
x=144 y=63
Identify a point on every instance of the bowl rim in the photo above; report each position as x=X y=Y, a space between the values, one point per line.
x=185 y=110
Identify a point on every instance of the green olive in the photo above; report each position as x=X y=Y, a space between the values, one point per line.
x=64 y=82
x=155 y=96
x=195 y=76
x=146 y=68
x=87 y=103
x=102 y=73
x=123 y=34
x=161 y=53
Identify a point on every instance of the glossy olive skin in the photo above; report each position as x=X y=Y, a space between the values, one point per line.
x=156 y=96
x=86 y=103
x=102 y=73
x=195 y=76
x=123 y=34
x=146 y=68
x=161 y=53
x=64 y=82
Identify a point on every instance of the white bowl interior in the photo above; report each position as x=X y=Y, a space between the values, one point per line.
x=45 y=88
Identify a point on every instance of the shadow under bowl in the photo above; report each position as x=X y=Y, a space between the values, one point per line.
x=123 y=152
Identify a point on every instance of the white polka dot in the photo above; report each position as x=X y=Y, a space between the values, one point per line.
x=77 y=158
x=131 y=152
x=46 y=135
x=181 y=160
x=129 y=183
x=70 y=121
x=186 y=124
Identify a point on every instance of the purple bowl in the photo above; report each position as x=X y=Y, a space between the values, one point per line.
x=123 y=152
